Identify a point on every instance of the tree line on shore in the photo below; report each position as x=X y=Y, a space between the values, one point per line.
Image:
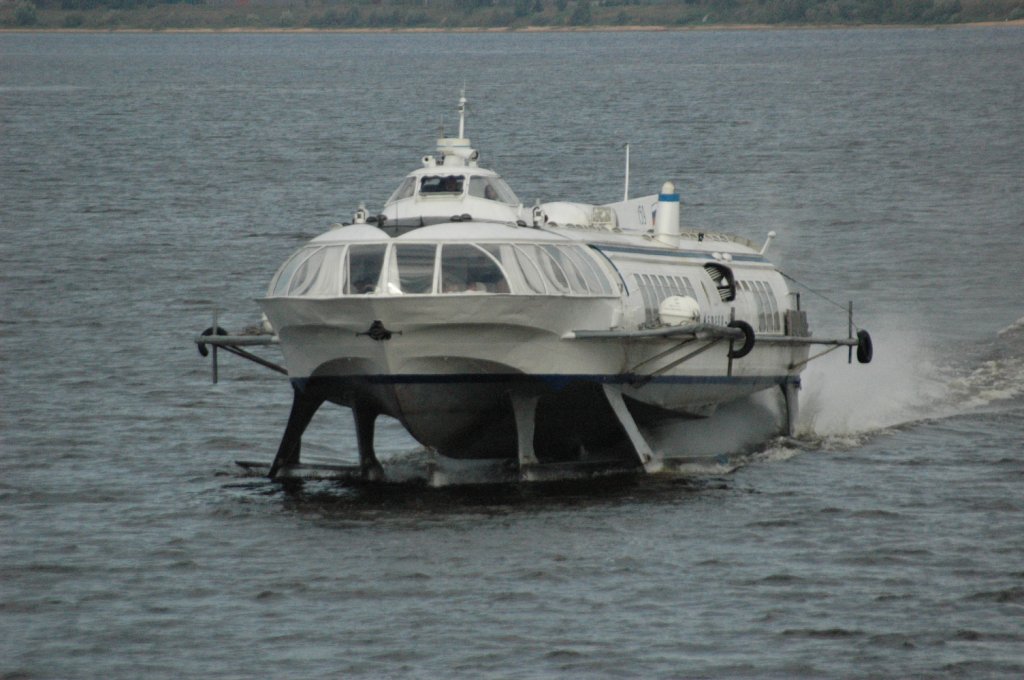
x=511 y=14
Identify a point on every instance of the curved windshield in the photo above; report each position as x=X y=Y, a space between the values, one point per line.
x=311 y=272
x=466 y=268
x=279 y=284
x=364 y=265
x=492 y=189
x=404 y=190
x=431 y=269
x=412 y=268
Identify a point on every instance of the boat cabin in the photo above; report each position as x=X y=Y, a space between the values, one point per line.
x=449 y=259
x=448 y=186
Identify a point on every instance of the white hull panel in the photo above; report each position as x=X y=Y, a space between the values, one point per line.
x=451 y=363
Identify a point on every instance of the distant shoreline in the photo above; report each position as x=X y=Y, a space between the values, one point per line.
x=1011 y=23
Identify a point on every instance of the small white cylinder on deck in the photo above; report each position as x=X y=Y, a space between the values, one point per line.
x=666 y=228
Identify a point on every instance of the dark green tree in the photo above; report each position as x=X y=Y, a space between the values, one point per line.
x=582 y=15
x=25 y=13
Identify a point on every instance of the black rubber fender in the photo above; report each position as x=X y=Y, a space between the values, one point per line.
x=748 y=339
x=865 y=350
x=201 y=346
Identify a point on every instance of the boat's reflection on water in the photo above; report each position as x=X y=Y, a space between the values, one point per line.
x=369 y=500
x=415 y=498
x=699 y=455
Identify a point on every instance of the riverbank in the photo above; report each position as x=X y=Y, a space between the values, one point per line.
x=1016 y=23
x=494 y=16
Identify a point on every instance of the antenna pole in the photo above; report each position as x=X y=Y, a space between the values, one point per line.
x=462 y=114
x=625 y=194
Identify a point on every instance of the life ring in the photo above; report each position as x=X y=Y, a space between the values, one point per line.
x=865 y=351
x=201 y=346
x=748 y=339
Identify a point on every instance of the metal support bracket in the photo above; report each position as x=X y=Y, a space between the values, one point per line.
x=524 y=408
x=640 y=381
x=791 y=395
x=644 y=453
x=366 y=417
x=304 y=407
x=217 y=338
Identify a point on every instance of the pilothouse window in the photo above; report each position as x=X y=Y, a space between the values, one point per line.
x=492 y=189
x=441 y=184
x=404 y=190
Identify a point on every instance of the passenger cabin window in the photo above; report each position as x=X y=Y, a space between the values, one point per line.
x=311 y=272
x=524 y=268
x=364 y=265
x=279 y=285
x=554 y=276
x=305 y=276
x=656 y=287
x=768 y=317
x=431 y=268
x=414 y=265
x=437 y=185
x=466 y=268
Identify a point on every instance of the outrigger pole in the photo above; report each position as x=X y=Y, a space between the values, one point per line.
x=218 y=338
x=305 y=404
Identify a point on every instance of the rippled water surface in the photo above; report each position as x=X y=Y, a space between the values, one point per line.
x=146 y=179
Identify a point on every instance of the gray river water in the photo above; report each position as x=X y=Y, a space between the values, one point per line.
x=146 y=179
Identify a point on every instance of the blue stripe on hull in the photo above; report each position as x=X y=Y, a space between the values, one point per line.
x=702 y=255
x=556 y=382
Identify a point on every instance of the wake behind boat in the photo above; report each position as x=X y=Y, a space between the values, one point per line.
x=540 y=340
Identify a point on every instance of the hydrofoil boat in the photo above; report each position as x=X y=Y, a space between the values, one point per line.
x=543 y=340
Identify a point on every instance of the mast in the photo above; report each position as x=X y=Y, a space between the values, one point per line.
x=456 y=151
x=462 y=114
x=625 y=193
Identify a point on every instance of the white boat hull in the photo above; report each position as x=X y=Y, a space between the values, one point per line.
x=451 y=366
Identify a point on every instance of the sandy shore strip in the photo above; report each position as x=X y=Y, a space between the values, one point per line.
x=1015 y=23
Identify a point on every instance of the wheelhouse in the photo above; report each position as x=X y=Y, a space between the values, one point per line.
x=444 y=185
